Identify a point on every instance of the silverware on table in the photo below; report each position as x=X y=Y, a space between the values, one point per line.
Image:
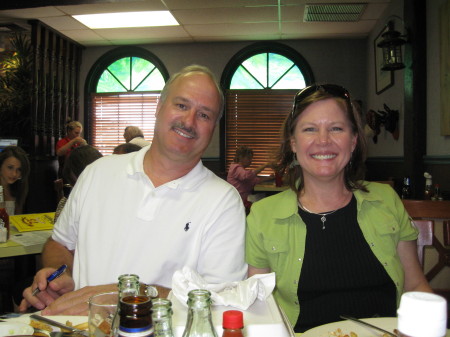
x=59 y=325
x=368 y=324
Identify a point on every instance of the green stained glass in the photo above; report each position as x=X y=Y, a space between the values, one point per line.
x=130 y=74
x=291 y=80
x=155 y=81
x=107 y=83
x=257 y=66
x=140 y=70
x=243 y=80
x=268 y=71
x=278 y=66
x=121 y=70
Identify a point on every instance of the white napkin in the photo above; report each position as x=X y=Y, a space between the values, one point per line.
x=240 y=294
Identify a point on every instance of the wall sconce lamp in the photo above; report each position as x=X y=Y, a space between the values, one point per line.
x=392 y=48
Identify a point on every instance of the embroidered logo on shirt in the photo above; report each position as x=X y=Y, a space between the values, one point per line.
x=186 y=228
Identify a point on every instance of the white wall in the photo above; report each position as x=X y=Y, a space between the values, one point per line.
x=335 y=61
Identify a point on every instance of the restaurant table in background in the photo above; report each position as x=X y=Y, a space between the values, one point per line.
x=269 y=188
x=18 y=262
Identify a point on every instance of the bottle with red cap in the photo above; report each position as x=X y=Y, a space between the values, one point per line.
x=233 y=323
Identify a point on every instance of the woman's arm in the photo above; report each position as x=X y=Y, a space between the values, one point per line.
x=253 y=270
x=414 y=278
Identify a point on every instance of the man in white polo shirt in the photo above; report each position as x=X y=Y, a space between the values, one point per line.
x=149 y=212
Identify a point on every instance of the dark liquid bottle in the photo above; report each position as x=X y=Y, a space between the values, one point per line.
x=135 y=317
x=406 y=189
x=4 y=217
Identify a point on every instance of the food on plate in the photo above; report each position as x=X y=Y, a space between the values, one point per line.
x=339 y=333
x=40 y=325
x=81 y=326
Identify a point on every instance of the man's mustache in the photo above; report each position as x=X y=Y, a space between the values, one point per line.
x=190 y=131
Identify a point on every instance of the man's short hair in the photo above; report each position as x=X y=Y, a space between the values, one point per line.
x=194 y=68
x=132 y=132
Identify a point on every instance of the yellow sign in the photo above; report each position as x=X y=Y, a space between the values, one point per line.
x=32 y=222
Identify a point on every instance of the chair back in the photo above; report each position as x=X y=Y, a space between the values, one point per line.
x=426 y=232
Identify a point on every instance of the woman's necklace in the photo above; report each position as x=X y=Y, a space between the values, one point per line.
x=324 y=214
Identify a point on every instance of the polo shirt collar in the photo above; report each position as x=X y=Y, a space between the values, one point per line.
x=188 y=181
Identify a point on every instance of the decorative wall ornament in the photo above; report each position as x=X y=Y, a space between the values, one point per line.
x=376 y=119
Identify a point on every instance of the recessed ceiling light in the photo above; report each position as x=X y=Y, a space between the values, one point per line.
x=127 y=19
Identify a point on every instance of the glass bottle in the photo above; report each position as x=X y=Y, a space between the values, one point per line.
x=199 y=321
x=406 y=189
x=428 y=193
x=162 y=317
x=128 y=286
x=437 y=193
x=233 y=323
x=422 y=314
x=4 y=218
x=135 y=316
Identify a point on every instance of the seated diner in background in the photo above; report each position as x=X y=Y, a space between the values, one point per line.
x=14 y=173
x=71 y=141
x=75 y=163
x=242 y=178
x=120 y=218
x=338 y=244
x=126 y=148
x=134 y=135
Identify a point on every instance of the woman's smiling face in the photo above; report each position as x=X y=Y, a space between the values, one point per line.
x=323 y=140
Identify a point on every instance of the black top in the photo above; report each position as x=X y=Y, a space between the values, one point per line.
x=340 y=274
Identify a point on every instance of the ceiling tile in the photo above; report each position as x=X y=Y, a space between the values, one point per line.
x=226 y=15
x=184 y=4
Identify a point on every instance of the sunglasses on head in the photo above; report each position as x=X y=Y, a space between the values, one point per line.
x=332 y=89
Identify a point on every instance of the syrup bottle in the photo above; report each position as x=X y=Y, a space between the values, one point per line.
x=4 y=218
x=135 y=317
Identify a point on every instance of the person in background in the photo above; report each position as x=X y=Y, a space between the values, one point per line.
x=150 y=212
x=75 y=163
x=242 y=178
x=126 y=148
x=14 y=173
x=71 y=141
x=338 y=244
x=134 y=135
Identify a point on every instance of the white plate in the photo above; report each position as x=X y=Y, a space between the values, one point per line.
x=386 y=323
x=15 y=328
x=75 y=320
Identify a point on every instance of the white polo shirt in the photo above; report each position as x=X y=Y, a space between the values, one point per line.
x=119 y=223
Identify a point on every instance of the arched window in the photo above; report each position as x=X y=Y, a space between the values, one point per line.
x=123 y=89
x=260 y=83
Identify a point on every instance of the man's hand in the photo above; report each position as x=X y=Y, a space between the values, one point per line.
x=48 y=291
x=76 y=302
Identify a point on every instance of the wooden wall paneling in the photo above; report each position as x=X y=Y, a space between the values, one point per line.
x=445 y=67
x=415 y=125
x=49 y=111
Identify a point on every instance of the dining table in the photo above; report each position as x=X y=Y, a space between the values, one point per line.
x=26 y=243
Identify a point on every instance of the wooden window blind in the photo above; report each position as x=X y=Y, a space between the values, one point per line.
x=113 y=112
x=254 y=118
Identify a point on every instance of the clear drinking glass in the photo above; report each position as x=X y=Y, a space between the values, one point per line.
x=102 y=308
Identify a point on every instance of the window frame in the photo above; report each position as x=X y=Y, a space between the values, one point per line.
x=232 y=66
x=100 y=66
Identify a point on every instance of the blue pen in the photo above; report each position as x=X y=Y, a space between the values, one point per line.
x=57 y=273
